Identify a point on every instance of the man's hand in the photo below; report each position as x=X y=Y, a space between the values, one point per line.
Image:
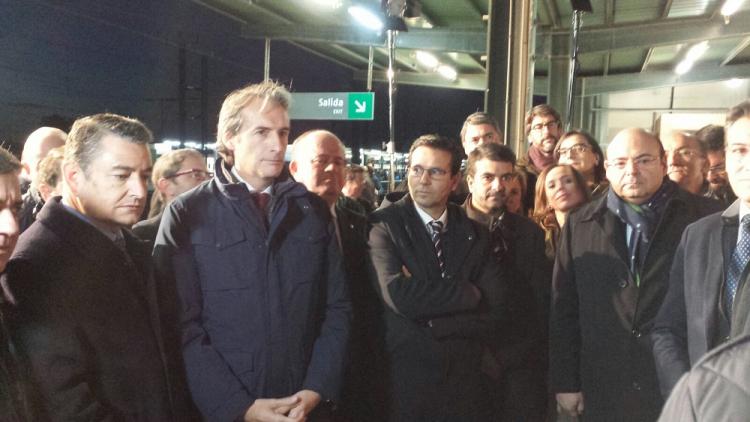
x=570 y=403
x=272 y=410
x=308 y=400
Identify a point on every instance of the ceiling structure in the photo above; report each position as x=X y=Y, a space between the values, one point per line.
x=624 y=44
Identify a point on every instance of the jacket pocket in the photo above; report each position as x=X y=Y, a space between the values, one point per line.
x=223 y=259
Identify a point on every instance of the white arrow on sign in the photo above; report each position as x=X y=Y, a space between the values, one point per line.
x=360 y=106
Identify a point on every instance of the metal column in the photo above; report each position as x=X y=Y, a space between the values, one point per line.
x=498 y=48
x=521 y=75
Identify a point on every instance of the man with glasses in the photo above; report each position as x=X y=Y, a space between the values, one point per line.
x=174 y=173
x=318 y=162
x=609 y=281
x=256 y=264
x=712 y=139
x=686 y=161
x=517 y=380
x=701 y=306
x=543 y=129
x=443 y=294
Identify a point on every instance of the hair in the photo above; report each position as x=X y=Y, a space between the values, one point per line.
x=479 y=118
x=542 y=211
x=165 y=167
x=541 y=110
x=352 y=170
x=302 y=139
x=49 y=170
x=230 y=116
x=711 y=137
x=492 y=152
x=87 y=132
x=737 y=112
x=520 y=175
x=599 y=171
x=8 y=162
x=441 y=143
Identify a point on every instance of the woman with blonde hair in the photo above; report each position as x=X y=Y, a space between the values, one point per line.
x=559 y=189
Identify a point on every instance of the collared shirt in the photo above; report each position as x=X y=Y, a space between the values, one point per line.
x=336 y=225
x=111 y=235
x=426 y=218
x=235 y=173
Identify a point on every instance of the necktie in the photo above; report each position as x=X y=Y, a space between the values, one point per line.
x=261 y=200
x=737 y=265
x=120 y=242
x=437 y=241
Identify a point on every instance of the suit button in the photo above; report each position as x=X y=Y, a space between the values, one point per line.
x=636 y=333
x=636 y=386
x=623 y=284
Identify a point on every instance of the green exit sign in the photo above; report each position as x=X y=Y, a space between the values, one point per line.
x=332 y=106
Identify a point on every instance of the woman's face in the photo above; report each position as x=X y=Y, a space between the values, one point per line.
x=576 y=152
x=563 y=194
x=513 y=196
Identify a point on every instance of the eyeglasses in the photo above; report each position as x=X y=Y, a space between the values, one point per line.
x=325 y=160
x=196 y=174
x=574 y=150
x=719 y=168
x=434 y=173
x=549 y=125
x=644 y=161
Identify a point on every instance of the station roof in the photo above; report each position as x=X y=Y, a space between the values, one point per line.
x=624 y=44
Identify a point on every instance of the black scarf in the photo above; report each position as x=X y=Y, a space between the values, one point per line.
x=642 y=219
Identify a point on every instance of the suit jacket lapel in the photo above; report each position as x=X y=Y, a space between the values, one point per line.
x=419 y=239
x=458 y=240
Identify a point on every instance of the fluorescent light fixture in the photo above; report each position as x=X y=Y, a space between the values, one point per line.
x=366 y=17
x=427 y=59
x=447 y=72
x=730 y=6
x=734 y=83
x=697 y=51
x=683 y=67
x=333 y=4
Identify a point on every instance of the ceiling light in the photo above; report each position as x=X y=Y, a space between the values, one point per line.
x=366 y=17
x=696 y=51
x=427 y=60
x=683 y=67
x=734 y=83
x=730 y=6
x=333 y=4
x=447 y=72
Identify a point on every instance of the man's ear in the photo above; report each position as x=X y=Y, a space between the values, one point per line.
x=229 y=139
x=72 y=174
x=45 y=191
x=162 y=184
x=293 y=168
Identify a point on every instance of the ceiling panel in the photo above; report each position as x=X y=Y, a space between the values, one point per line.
x=691 y=8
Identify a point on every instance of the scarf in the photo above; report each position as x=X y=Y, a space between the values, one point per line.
x=642 y=220
x=539 y=159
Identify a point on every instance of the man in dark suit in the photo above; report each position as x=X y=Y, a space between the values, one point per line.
x=265 y=311
x=443 y=295
x=698 y=311
x=318 y=162
x=86 y=313
x=13 y=400
x=609 y=281
x=518 y=381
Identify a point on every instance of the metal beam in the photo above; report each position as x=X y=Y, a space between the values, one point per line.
x=666 y=9
x=609 y=12
x=470 y=41
x=467 y=81
x=636 y=81
x=553 y=13
x=735 y=51
x=656 y=33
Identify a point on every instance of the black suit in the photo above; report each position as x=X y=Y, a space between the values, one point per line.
x=517 y=377
x=601 y=319
x=692 y=319
x=87 y=320
x=361 y=397
x=436 y=328
x=146 y=230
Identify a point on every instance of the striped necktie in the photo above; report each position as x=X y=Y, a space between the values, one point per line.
x=437 y=235
x=737 y=265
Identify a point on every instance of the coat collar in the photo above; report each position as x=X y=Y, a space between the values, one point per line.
x=731 y=216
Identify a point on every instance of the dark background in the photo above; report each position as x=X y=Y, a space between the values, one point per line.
x=63 y=59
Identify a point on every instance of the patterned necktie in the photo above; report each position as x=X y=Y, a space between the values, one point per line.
x=437 y=234
x=737 y=265
x=261 y=200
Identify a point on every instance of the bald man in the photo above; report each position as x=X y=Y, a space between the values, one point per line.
x=318 y=162
x=609 y=281
x=36 y=147
x=687 y=164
